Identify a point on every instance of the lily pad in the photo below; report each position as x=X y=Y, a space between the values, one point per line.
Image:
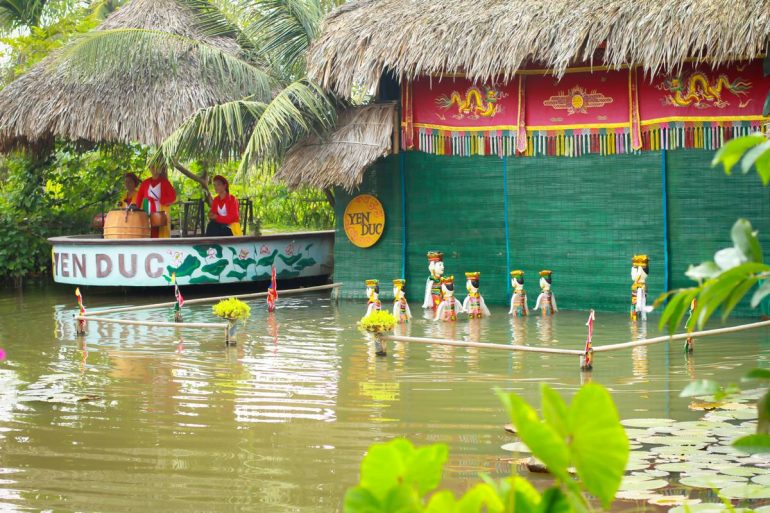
x=746 y=491
x=516 y=447
x=635 y=466
x=741 y=471
x=677 y=467
x=764 y=479
x=635 y=495
x=650 y=473
x=672 y=500
x=630 y=483
x=646 y=423
x=705 y=507
x=709 y=481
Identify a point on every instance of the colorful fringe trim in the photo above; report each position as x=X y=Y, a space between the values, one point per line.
x=707 y=135
x=441 y=142
x=574 y=143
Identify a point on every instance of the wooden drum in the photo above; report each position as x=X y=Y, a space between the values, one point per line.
x=158 y=219
x=122 y=224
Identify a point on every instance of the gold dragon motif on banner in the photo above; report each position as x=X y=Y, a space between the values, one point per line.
x=698 y=91
x=474 y=104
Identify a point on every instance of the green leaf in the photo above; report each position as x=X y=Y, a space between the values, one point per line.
x=554 y=501
x=186 y=268
x=360 y=500
x=203 y=250
x=383 y=467
x=753 y=154
x=243 y=263
x=215 y=268
x=757 y=374
x=236 y=274
x=402 y=499
x=521 y=494
x=700 y=387
x=441 y=502
x=541 y=438
x=599 y=445
x=753 y=443
x=289 y=261
x=554 y=410
x=425 y=467
x=736 y=295
x=481 y=497
x=267 y=260
x=760 y=294
x=745 y=239
x=677 y=307
x=732 y=151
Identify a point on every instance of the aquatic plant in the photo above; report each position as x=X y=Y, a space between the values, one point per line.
x=378 y=322
x=396 y=476
x=232 y=309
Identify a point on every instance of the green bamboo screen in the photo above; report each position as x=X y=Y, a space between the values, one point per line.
x=583 y=218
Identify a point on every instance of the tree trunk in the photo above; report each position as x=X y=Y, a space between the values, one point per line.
x=200 y=180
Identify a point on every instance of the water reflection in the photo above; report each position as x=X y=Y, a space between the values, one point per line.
x=281 y=421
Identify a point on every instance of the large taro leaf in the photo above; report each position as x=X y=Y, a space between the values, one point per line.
x=399 y=463
x=542 y=438
x=598 y=442
x=186 y=268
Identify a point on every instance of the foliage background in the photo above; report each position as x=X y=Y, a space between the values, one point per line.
x=61 y=193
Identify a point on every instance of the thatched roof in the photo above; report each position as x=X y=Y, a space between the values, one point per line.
x=46 y=103
x=494 y=38
x=363 y=135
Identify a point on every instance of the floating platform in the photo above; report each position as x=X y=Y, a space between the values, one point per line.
x=89 y=260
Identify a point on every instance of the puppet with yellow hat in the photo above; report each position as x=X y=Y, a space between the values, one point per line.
x=546 y=301
x=474 y=303
x=519 y=297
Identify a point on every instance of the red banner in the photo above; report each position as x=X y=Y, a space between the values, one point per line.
x=603 y=111
x=456 y=116
x=579 y=100
x=699 y=93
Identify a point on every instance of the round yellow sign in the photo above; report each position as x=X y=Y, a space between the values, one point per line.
x=364 y=220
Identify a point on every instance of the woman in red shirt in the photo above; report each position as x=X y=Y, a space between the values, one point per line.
x=156 y=194
x=224 y=220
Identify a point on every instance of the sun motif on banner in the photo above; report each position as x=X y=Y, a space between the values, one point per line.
x=702 y=92
x=577 y=101
x=474 y=104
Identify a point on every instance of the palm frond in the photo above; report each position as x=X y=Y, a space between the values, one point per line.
x=285 y=29
x=128 y=52
x=212 y=22
x=217 y=133
x=302 y=108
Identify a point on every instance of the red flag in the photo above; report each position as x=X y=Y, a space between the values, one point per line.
x=272 y=292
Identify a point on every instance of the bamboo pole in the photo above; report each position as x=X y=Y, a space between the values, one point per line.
x=596 y=349
x=216 y=325
x=482 y=345
x=287 y=292
x=682 y=336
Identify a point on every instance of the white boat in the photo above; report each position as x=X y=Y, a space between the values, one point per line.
x=90 y=260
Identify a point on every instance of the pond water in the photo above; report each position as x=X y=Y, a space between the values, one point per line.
x=132 y=418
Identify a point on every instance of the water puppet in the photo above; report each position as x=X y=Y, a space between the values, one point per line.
x=474 y=303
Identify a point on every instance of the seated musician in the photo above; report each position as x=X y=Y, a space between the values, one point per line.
x=156 y=194
x=131 y=182
x=224 y=219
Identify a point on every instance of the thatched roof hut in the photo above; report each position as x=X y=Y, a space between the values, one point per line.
x=495 y=38
x=363 y=135
x=47 y=103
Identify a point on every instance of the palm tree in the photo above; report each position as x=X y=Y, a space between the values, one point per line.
x=280 y=105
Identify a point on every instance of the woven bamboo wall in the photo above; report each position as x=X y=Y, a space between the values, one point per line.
x=583 y=218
